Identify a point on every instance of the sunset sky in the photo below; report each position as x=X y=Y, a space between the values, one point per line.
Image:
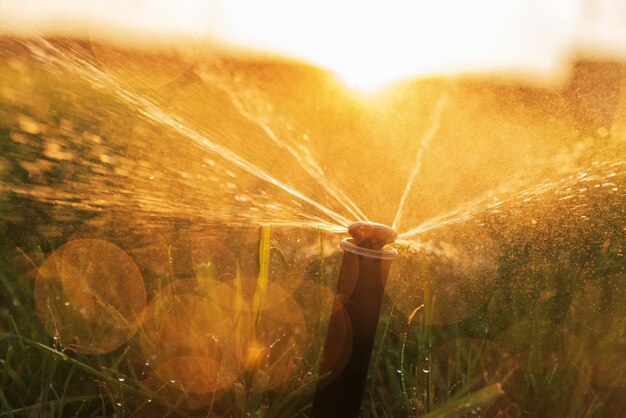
x=365 y=42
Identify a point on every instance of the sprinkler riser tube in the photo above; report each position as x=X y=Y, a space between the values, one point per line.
x=360 y=288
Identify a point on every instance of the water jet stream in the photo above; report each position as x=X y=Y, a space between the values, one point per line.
x=491 y=200
x=425 y=143
x=461 y=213
x=304 y=159
x=50 y=55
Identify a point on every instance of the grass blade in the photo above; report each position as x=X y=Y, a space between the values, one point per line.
x=464 y=405
x=263 y=279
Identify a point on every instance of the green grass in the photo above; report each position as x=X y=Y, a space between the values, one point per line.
x=418 y=368
x=41 y=378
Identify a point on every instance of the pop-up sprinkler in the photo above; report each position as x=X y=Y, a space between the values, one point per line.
x=360 y=289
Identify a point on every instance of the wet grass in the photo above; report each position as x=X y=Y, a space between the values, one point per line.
x=549 y=335
x=40 y=377
x=539 y=363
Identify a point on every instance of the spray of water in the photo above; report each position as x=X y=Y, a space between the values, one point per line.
x=300 y=152
x=569 y=185
x=425 y=143
x=52 y=56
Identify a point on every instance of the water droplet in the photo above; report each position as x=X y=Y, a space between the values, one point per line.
x=121 y=379
x=108 y=159
x=426 y=370
x=149 y=400
x=29 y=125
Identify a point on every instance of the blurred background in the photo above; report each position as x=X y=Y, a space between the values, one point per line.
x=366 y=42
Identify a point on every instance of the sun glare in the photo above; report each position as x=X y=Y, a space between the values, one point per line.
x=366 y=43
x=369 y=44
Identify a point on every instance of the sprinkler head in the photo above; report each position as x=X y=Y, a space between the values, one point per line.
x=371 y=235
x=360 y=289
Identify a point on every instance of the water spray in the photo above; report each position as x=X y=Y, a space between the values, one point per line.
x=360 y=289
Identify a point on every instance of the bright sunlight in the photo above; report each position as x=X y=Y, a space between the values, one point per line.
x=366 y=43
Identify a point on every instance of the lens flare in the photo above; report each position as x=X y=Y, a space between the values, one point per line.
x=210 y=325
x=195 y=374
x=170 y=393
x=90 y=296
x=186 y=328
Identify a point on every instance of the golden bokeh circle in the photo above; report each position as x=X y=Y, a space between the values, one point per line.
x=90 y=296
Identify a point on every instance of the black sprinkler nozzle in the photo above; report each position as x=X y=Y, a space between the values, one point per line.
x=360 y=289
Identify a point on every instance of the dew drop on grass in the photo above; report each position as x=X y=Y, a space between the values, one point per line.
x=121 y=379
